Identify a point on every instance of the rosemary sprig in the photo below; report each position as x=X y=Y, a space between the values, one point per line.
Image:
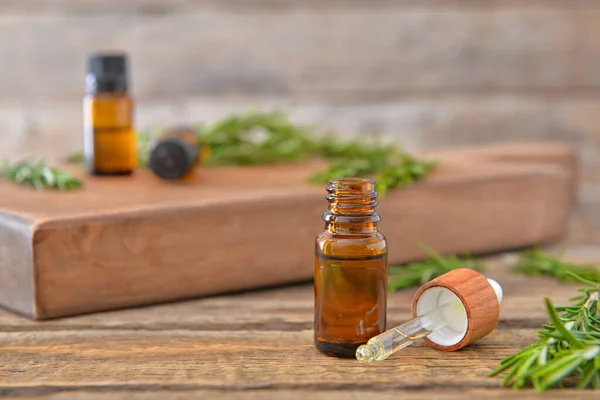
x=568 y=349
x=38 y=175
x=256 y=138
x=391 y=169
x=418 y=273
x=537 y=262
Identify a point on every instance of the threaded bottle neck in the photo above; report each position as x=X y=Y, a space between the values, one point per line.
x=352 y=203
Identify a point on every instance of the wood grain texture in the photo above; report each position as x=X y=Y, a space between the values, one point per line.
x=290 y=308
x=154 y=7
x=205 y=348
x=125 y=242
x=214 y=360
x=299 y=393
x=312 y=52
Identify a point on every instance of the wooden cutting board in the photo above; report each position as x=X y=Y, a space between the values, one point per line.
x=129 y=241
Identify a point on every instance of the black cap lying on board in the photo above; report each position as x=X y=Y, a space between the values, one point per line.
x=172 y=158
x=107 y=72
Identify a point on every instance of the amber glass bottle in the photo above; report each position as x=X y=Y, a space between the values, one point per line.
x=176 y=153
x=350 y=270
x=110 y=145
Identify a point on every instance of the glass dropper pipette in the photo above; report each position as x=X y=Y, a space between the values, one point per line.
x=446 y=316
x=384 y=345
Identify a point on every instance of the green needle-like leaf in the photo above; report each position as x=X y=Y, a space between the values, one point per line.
x=558 y=371
x=588 y=374
x=505 y=364
x=569 y=346
x=38 y=175
x=557 y=323
x=420 y=272
x=536 y=262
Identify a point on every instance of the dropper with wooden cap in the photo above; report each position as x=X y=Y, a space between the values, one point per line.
x=450 y=312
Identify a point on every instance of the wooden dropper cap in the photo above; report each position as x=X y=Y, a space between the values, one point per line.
x=478 y=316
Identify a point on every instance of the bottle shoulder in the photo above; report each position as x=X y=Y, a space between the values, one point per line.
x=327 y=235
x=108 y=97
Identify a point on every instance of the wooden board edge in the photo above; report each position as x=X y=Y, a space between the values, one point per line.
x=545 y=207
x=507 y=170
x=17 y=276
x=522 y=154
x=220 y=249
x=553 y=185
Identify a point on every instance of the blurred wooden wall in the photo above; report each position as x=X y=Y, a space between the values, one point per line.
x=429 y=73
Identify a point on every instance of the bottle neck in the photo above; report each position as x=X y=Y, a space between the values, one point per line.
x=352 y=203
x=115 y=85
x=350 y=229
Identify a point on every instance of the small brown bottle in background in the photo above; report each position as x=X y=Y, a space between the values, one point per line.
x=110 y=143
x=176 y=153
x=350 y=270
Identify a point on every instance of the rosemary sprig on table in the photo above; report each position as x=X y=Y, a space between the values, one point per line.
x=257 y=138
x=537 y=262
x=568 y=349
x=420 y=272
x=38 y=175
x=532 y=262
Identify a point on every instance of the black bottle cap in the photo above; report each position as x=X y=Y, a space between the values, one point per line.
x=172 y=158
x=107 y=72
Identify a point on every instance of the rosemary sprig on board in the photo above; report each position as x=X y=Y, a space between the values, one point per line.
x=420 y=272
x=392 y=169
x=268 y=138
x=256 y=138
x=38 y=175
x=537 y=262
x=568 y=349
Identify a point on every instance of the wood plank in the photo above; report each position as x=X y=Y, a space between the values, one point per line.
x=238 y=360
x=178 y=360
x=173 y=351
x=299 y=393
x=290 y=308
x=133 y=241
x=432 y=50
x=154 y=7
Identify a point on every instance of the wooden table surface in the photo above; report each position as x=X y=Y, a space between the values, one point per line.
x=258 y=345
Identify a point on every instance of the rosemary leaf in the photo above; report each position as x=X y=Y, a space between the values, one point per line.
x=554 y=373
x=536 y=262
x=573 y=342
x=420 y=272
x=38 y=175
x=587 y=375
x=568 y=347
